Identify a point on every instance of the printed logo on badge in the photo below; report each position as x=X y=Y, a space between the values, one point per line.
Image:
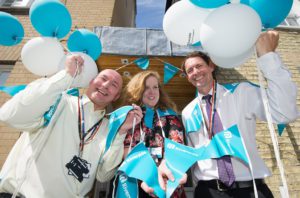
x=79 y=168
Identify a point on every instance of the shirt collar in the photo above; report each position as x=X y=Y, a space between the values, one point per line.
x=201 y=95
x=87 y=103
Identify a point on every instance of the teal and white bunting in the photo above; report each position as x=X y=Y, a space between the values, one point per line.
x=116 y=119
x=179 y=158
x=194 y=121
x=142 y=63
x=135 y=164
x=127 y=187
x=48 y=115
x=169 y=72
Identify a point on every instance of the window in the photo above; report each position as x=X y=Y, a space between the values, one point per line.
x=4 y=73
x=16 y=3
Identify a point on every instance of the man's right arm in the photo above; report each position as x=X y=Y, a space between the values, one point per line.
x=26 y=109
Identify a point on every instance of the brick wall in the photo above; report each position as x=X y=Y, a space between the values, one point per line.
x=99 y=12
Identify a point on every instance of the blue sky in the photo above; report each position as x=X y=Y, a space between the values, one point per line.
x=150 y=13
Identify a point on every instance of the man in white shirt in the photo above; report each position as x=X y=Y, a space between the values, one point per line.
x=240 y=106
x=62 y=158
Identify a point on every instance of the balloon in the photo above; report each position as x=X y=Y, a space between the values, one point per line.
x=11 y=30
x=272 y=13
x=42 y=55
x=230 y=30
x=230 y=62
x=182 y=22
x=50 y=18
x=85 y=41
x=209 y=3
x=89 y=70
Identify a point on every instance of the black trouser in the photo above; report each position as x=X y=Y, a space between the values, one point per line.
x=7 y=195
x=208 y=189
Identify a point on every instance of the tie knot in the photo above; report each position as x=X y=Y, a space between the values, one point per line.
x=207 y=98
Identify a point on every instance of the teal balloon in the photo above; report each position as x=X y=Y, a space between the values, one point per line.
x=271 y=12
x=50 y=18
x=209 y=3
x=86 y=41
x=11 y=30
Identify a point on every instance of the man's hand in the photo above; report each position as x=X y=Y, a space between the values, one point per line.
x=72 y=62
x=137 y=114
x=147 y=189
x=267 y=42
x=164 y=174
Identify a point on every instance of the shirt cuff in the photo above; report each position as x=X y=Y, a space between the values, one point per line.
x=269 y=62
x=61 y=79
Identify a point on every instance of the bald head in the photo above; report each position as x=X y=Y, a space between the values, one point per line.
x=105 y=88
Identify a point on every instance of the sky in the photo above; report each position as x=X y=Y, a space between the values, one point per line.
x=150 y=13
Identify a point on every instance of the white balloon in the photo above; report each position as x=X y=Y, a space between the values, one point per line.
x=182 y=21
x=230 y=62
x=42 y=55
x=230 y=30
x=89 y=70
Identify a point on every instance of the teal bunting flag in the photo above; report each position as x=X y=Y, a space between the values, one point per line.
x=142 y=63
x=48 y=115
x=12 y=90
x=148 y=119
x=169 y=72
x=280 y=128
x=194 y=121
x=127 y=187
x=197 y=44
x=135 y=164
x=179 y=158
x=116 y=119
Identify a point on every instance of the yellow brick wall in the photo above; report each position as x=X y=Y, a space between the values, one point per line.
x=99 y=12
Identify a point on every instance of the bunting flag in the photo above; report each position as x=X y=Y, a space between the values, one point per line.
x=167 y=112
x=169 y=72
x=12 y=90
x=280 y=128
x=197 y=44
x=48 y=115
x=116 y=119
x=148 y=119
x=179 y=158
x=135 y=164
x=194 y=121
x=142 y=63
x=127 y=187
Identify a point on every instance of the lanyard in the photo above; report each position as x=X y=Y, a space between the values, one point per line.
x=210 y=121
x=88 y=136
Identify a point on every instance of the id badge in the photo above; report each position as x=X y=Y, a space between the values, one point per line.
x=78 y=168
x=156 y=151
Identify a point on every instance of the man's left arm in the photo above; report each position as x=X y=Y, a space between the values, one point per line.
x=111 y=159
x=281 y=91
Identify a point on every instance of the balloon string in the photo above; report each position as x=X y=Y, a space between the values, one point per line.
x=284 y=190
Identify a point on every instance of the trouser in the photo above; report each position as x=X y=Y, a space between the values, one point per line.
x=7 y=195
x=244 y=189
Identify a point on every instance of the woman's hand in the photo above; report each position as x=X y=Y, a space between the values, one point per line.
x=135 y=113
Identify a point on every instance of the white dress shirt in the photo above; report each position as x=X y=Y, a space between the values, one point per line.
x=242 y=107
x=46 y=176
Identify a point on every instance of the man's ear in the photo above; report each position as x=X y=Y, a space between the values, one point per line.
x=117 y=96
x=212 y=65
